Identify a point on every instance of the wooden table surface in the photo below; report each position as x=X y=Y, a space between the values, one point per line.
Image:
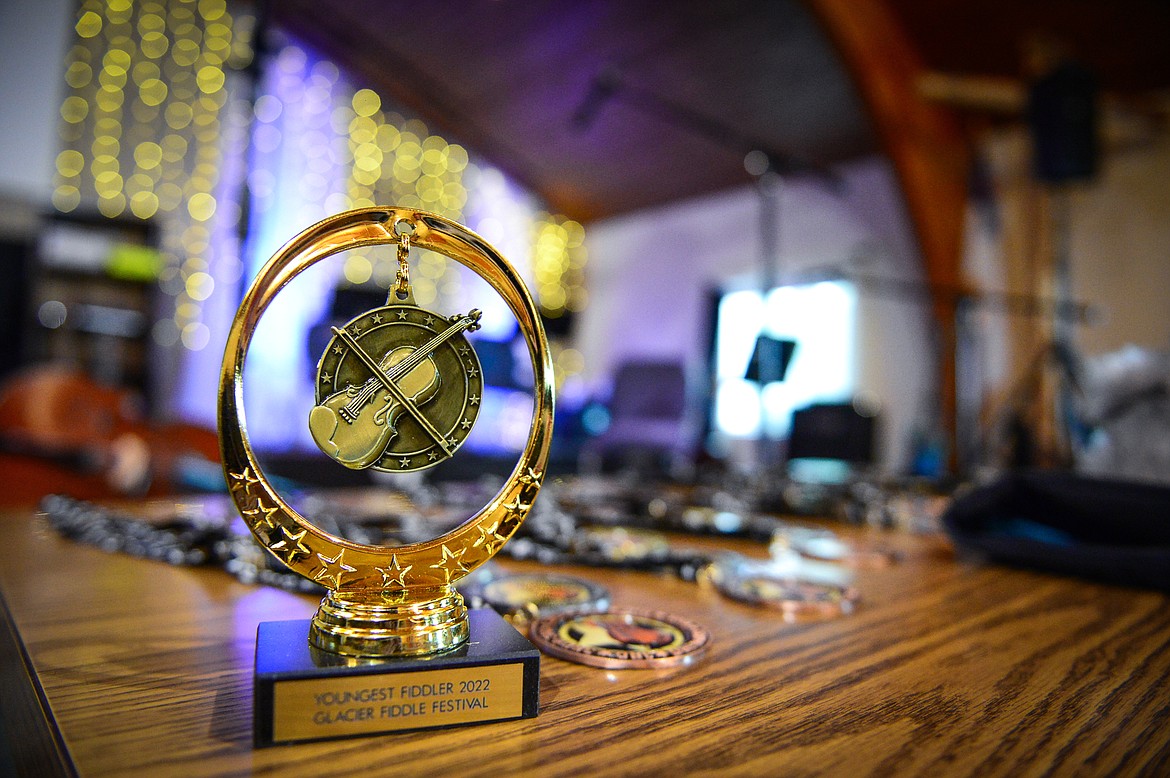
x=946 y=668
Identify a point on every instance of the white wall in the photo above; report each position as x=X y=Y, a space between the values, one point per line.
x=1121 y=248
x=1119 y=235
x=648 y=273
x=33 y=38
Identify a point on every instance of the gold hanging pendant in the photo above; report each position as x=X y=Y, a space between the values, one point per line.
x=398 y=388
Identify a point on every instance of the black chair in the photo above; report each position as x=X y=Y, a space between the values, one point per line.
x=647 y=430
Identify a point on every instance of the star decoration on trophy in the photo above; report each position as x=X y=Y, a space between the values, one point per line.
x=394 y=573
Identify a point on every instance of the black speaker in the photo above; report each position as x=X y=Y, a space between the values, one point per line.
x=1062 y=115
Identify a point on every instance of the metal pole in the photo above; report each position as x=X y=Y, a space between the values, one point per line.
x=768 y=186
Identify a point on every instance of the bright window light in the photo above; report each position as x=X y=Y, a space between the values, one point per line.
x=820 y=318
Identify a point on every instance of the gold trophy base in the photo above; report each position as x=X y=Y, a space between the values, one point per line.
x=358 y=624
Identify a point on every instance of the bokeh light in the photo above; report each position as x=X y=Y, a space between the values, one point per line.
x=142 y=119
x=158 y=123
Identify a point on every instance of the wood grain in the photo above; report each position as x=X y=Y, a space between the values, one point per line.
x=946 y=668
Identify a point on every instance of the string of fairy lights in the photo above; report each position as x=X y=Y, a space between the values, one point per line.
x=155 y=103
x=396 y=160
x=558 y=261
x=141 y=129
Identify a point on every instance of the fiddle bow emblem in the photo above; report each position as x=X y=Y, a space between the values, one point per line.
x=397 y=390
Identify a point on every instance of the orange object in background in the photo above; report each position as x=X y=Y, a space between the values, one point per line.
x=63 y=432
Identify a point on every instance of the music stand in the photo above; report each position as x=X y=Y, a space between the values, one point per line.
x=770 y=360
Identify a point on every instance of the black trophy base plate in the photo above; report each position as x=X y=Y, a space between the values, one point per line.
x=301 y=693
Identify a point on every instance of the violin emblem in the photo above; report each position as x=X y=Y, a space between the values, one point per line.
x=398 y=389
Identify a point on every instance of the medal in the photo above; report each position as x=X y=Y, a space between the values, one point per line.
x=539 y=594
x=796 y=597
x=620 y=639
x=781 y=587
x=621 y=545
x=825 y=546
x=398 y=387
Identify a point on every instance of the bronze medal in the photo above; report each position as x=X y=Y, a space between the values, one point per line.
x=796 y=597
x=803 y=590
x=620 y=639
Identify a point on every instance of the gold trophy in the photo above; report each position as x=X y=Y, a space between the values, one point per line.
x=398 y=388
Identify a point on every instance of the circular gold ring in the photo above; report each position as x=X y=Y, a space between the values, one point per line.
x=418 y=572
